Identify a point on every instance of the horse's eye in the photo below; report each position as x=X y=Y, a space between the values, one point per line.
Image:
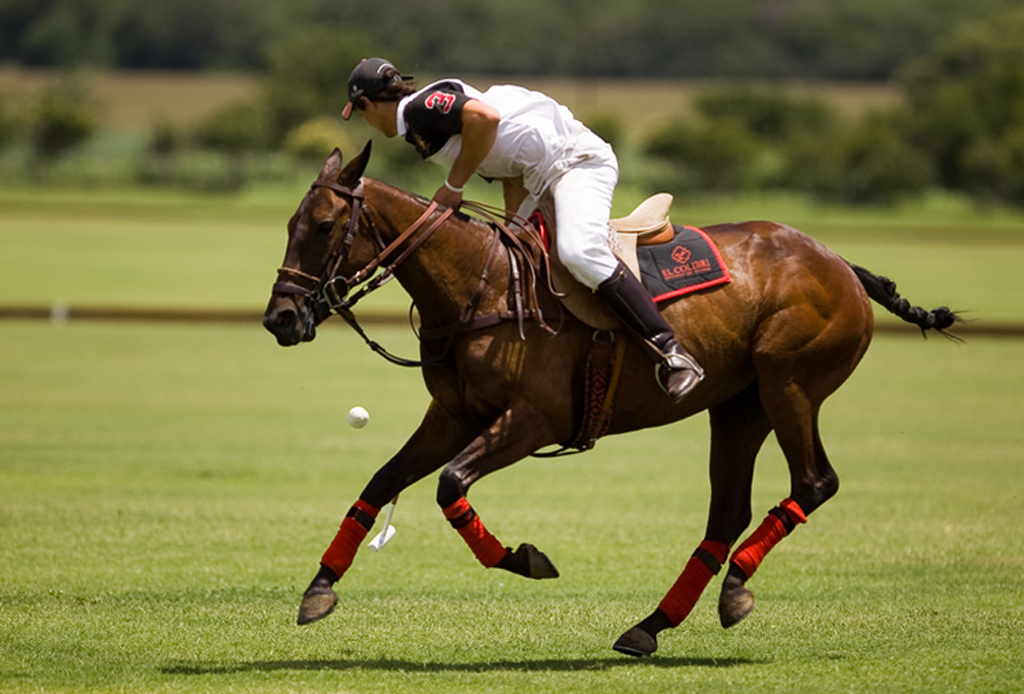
x=325 y=227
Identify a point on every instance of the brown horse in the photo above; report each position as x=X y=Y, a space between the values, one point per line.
x=777 y=340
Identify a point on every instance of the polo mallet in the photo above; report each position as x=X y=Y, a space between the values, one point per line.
x=387 y=532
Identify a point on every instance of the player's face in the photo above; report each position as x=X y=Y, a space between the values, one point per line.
x=381 y=116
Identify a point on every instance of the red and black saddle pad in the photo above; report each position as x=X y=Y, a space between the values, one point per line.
x=688 y=263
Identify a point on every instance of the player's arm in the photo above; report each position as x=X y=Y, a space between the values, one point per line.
x=479 y=130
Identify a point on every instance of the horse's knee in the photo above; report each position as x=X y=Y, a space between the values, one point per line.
x=450 y=487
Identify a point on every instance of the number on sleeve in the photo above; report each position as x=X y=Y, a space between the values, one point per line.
x=441 y=101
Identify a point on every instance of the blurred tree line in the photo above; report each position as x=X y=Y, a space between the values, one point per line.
x=959 y=125
x=831 y=39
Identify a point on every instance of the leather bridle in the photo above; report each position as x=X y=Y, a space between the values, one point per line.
x=324 y=288
x=336 y=255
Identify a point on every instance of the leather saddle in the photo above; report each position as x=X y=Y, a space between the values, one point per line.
x=648 y=224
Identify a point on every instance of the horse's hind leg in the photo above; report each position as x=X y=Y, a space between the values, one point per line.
x=739 y=427
x=794 y=415
x=802 y=354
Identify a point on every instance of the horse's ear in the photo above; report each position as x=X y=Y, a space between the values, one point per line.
x=332 y=166
x=355 y=168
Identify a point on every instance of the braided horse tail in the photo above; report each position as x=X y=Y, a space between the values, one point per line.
x=883 y=291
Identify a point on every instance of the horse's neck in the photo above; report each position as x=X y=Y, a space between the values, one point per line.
x=444 y=273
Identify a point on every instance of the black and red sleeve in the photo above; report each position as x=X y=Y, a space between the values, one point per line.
x=433 y=117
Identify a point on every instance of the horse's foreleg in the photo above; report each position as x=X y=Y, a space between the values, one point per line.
x=739 y=427
x=319 y=599
x=434 y=443
x=514 y=435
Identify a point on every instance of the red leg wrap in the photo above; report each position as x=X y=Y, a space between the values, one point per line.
x=351 y=534
x=685 y=592
x=484 y=545
x=748 y=556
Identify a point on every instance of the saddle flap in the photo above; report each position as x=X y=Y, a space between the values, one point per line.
x=576 y=298
x=626 y=251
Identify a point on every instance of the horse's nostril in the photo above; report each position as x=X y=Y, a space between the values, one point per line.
x=280 y=321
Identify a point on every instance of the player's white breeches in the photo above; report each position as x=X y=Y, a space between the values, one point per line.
x=583 y=204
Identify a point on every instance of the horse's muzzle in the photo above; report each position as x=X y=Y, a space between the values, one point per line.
x=285 y=323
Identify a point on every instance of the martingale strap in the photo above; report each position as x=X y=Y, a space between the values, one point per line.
x=533 y=268
x=524 y=296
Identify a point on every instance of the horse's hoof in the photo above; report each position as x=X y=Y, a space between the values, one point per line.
x=317 y=603
x=636 y=642
x=538 y=563
x=735 y=602
x=528 y=561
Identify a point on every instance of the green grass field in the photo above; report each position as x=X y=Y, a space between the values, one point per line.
x=168 y=489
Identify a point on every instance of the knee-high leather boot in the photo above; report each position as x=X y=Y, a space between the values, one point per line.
x=678 y=372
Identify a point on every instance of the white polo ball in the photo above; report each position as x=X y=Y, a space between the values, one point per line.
x=358 y=417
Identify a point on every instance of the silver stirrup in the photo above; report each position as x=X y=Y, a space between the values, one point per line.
x=677 y=362
x=682 y=361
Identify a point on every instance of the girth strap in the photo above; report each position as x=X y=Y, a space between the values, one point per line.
x=602 y=372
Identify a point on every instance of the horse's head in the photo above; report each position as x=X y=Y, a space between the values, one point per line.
x=322 y=237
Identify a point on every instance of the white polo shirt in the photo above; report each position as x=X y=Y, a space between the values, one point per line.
x=537 y=137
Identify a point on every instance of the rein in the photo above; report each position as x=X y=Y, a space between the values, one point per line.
x=342 y=304
x=325 y=289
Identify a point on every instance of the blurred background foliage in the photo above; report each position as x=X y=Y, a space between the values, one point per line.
x=777 y=39
x=957 y=70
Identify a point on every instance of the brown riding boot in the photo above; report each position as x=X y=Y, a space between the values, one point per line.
x=678 y=372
